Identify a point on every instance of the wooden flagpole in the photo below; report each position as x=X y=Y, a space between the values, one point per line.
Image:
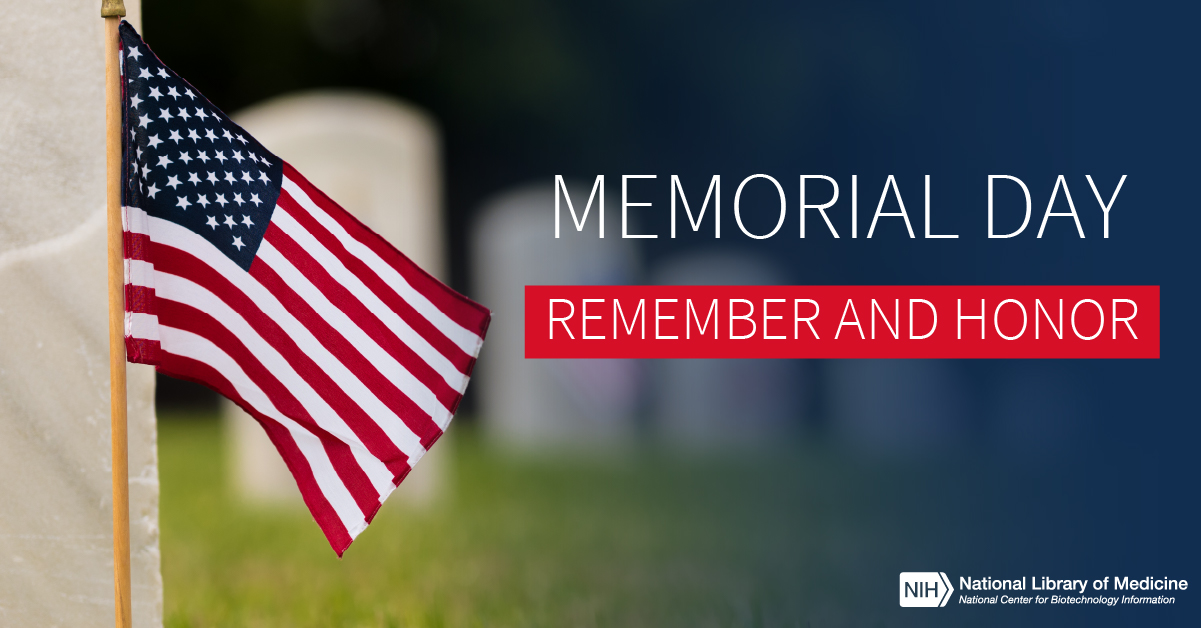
x=112 y=11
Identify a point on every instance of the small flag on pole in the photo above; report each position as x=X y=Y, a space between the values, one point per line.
x=242 y=276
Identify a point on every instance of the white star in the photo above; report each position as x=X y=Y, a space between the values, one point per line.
x=264 y=178
x=183 y=113
x=193 y=135
x=165 y=114
x=241 y=139
x=238 y=199
x=226 y=135
x=163 y=73
x=193 y=179
x=135 y=101
x=238 y=155
x=212 y=178
x=220 y=156
x=185 y=157
x=252 y=157
x=173 y=182
x=212 y=222
x=208 y=135
x=238 y=243
x=139 y=152
x=132 y=135
x=172 y=93
x=134 y=53
x=144 y=74
x=155 y=94
x=265 y=162
x=229 y=220
x=182 y=201
x=174 y=137
x=221 y=200
x=154 y=141
x=145 y=170
x=229 y=176
x=143 y=121
x=190 y=94
x=152 y=191
x=200 y=113
x=202 y=156
x=254 y=198
x=164 y=161
x=246 y=221
x=246 y=177
x=202 y=200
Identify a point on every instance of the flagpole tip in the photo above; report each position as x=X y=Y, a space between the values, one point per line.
x=112 y=8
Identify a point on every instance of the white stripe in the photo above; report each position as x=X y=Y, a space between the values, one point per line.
x=189 y=345
x=174 y=235
x=144 y=326
x=467 y=340
x=139 y=273
x=351 y=282
x=134 y=220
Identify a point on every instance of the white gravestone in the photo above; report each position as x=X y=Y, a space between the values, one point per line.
x=381 y=160
x=540 y=404
x=56 y=556
x=716 y=405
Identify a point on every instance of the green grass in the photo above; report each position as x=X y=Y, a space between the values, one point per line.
x=644 y=540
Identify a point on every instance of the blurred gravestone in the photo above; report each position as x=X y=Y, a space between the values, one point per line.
x=380 y=159
x=534 y=404
x=56 y=556
x=712 y=404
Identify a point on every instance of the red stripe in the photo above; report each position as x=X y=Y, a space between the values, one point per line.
x=190 y=319
x=139 y=299
x=460 y=359
x=137 y=245
x=409 y=412
x=324 y=513
x=175 y=261
x=457 y=307
x=142 y=351
x=361 y=316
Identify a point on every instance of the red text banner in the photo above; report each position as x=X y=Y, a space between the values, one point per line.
x=842 y=321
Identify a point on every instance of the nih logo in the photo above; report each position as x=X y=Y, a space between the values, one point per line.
x=925 y=588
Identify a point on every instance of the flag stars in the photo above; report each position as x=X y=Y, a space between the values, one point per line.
x=193 y=135
x=226 y=135
x=165 y=114
x=220 y=156
x=153 y=139
x=183 y=113
x=193 y=179
x=152 y=190
x=264 y=178
x=164 y=161
x=174 y=137
x=238 y=243
x=172 y=93
x=202 y=156
x=190 y=95
x=203 y=201
x=221 y=200
x=241 y=139
x=229 y=176
x=143 y=121
x=212 y=178
x=246 y=177
x=144 y=74
x=154 y=93
x=238 y=199
x=162 y=73
x=247 y=221
x=200 y=112
x=212 y=223
x=238 y=155
x=182 y=201
x=185 y=157
x=229 y=220
x=134 y=53
x=173 y=182
x=209 y=135
x=134 y=101
x=254 y=198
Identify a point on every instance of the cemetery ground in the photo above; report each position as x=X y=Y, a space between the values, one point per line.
x=644 y=538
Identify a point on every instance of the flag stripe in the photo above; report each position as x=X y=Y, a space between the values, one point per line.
x=374 y=285
x=353 y=350
x=397 y=276
x=188 y=345
x=399 y=348
x=342 y=458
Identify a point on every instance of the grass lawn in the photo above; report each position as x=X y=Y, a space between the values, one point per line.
x=646 y=539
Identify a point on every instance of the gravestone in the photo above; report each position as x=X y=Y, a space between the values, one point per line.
x=540 y=404
x=381 y=160
x=56 y=556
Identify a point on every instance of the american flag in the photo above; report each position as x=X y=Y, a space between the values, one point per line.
x=242 y=276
